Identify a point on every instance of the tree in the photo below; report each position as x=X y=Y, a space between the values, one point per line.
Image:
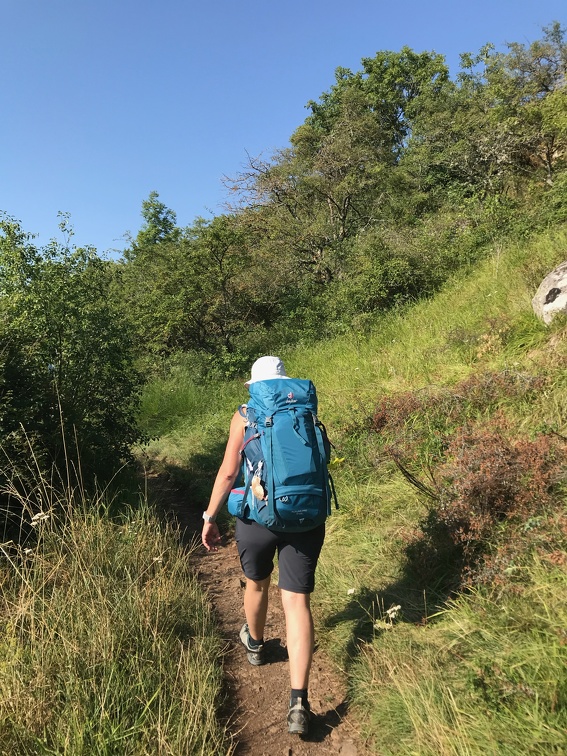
x=391 y=83
x=195 y=291
x=499 y=126
x=159 y=226
x=336 y=179
x=68 y=382
x=532 y=87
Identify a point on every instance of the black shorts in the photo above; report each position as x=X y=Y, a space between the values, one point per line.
x=297 y=554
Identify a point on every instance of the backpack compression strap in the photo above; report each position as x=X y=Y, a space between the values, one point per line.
x=269 y=421
x=324 y=442
x=321 y=446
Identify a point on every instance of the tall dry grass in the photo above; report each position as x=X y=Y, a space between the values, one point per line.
x=108 y=646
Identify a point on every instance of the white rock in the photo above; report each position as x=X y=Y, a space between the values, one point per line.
x=551 y=296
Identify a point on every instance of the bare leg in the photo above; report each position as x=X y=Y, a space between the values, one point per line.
x=256 y=606
x=300 y=636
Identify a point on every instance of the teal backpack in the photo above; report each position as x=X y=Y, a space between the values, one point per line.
x=287 y=486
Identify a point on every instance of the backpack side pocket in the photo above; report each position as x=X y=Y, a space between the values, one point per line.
x=235 y=502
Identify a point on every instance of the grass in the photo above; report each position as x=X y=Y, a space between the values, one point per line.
x=502 y=689
x=478 y=672
x=480 y=677
x=107 y=646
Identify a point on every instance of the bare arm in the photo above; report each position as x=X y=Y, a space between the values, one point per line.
x=226 y=477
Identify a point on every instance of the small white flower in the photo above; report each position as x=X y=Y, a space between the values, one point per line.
x=350 y=591
x=393 y=611
x=39 y=517
x=382 y=625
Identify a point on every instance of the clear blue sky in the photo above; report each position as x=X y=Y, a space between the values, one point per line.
x=106 y=100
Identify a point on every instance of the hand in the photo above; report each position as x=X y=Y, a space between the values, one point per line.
x=210 y=536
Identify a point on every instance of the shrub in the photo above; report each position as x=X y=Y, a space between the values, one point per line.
x=488 y=478
x=494 y=499
x=67 y=379
x=418 y=424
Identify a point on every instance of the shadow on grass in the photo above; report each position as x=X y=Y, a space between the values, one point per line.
x=431 y=574
x=181 y=493
x=22 y=500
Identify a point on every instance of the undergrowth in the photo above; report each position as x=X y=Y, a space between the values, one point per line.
x=441 y=587
x=486 y=676
x=108 y=646
x=462 y=523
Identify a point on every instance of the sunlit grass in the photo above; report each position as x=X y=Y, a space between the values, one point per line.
x=108 y=646
x=486 y=677
x=413 y=681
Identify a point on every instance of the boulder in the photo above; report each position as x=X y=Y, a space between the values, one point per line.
x=551 y=296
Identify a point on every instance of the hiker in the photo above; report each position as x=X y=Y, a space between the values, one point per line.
x=298 y=550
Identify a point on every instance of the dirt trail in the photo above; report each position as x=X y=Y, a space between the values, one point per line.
x=258 y=696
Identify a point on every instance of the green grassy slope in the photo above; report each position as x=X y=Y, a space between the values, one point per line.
x=486 y=675
x=471 y=662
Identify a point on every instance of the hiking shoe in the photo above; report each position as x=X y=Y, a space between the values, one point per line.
x=255 y=654
x=298 y=717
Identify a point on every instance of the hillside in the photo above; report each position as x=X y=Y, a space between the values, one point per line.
x=390 y=253
x=468 y=391
x=441 y=589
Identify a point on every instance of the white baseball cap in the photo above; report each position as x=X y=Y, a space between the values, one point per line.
x=266 y=368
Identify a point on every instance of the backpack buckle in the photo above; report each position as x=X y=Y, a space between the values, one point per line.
x=269 y=422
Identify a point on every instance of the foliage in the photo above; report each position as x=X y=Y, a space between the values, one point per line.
x=418 y=426
x=159 y=226
x=492 y=131
x=391 y=85
x=476 y=480
x=495 y=500
x=398 y=177
x=404 y=216
x=192 y=291
x=67 y=365
x=473 y=661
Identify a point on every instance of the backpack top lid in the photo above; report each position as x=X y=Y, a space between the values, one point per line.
x=275 y=394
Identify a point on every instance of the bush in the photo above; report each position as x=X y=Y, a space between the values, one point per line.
x=496 y=501
x=417 y=425
x=67 y=378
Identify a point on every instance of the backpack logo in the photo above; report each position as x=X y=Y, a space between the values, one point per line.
x=291 y=398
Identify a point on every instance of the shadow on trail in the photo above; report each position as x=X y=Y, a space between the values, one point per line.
x=275 y=651
x=182 y=492
x=322 y=725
